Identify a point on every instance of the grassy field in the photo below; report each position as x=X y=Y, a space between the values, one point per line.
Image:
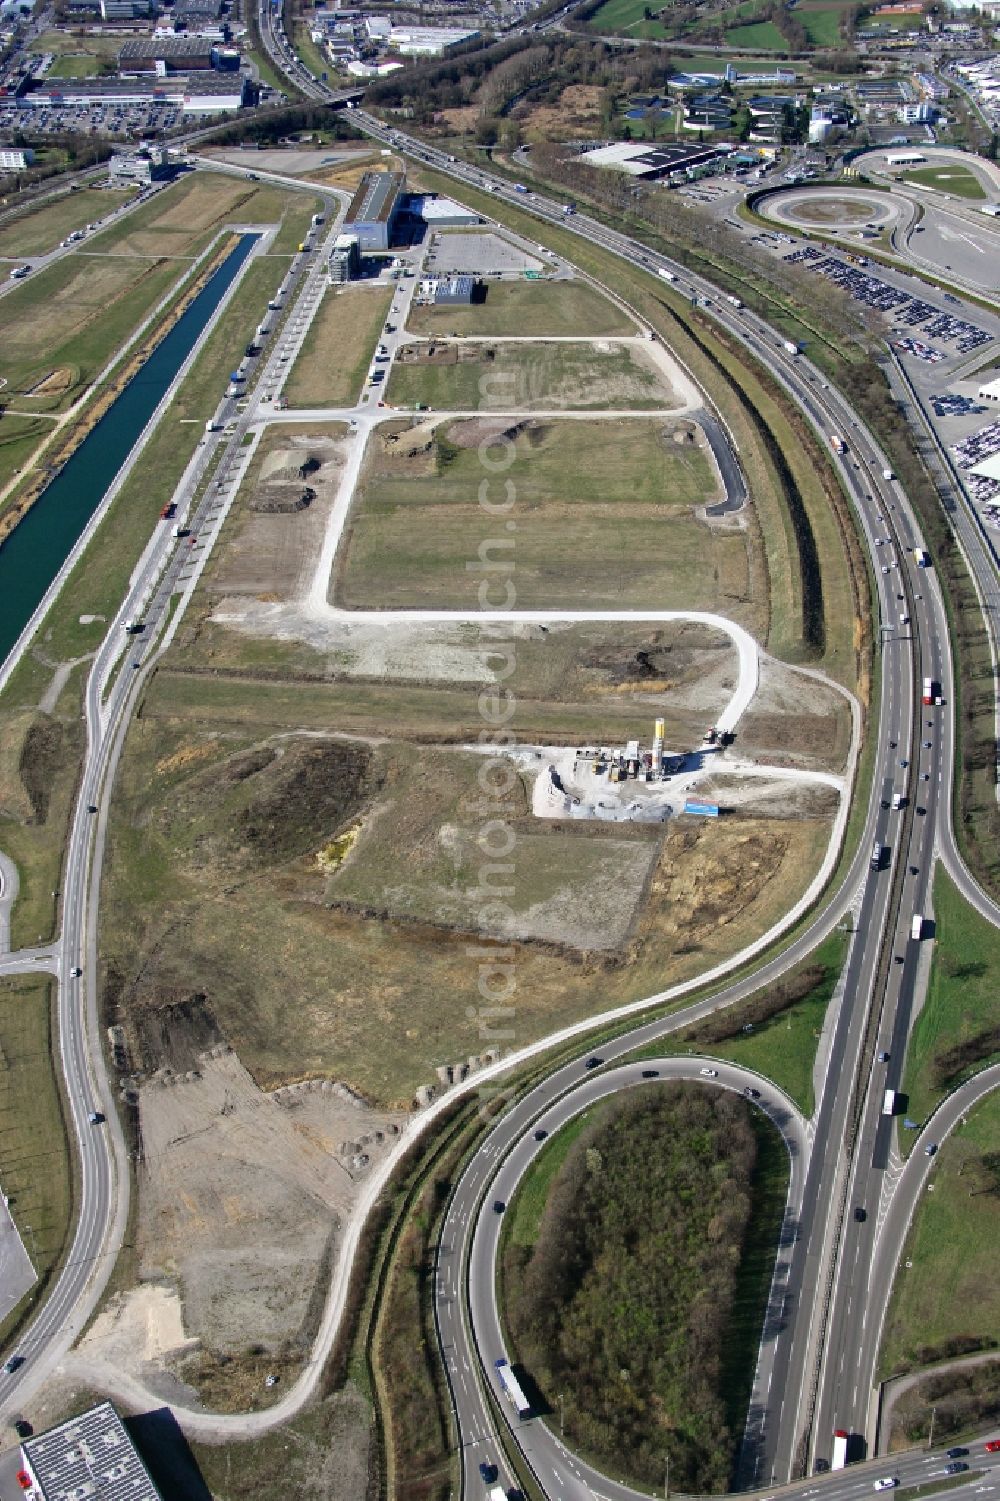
x=182 y=220
x=760 y=35
x=79 y=65
x=945 y=1294
x=517 y=376
x=954 y=179
x=627 y=16
x=337 y=350
x=822 y=22
x=957 y=1030
x=42 y=229
x=36 y=1177
x=19 y=438
x=545 y=309
x=68 y=40
x=619 y=489
x=66 y=322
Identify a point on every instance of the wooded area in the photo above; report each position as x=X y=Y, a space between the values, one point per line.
x=623 y=1303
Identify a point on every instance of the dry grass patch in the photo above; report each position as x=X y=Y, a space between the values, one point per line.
x=540 y=308
x=339 y=346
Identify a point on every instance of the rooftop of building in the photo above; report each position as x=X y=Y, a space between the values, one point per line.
x=165 y=46
x=375 y=198
x=88 y=1456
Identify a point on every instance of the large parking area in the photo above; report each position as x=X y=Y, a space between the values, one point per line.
x=113 y=118
x=908 y=311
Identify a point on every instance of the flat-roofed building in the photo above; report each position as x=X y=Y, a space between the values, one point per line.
x=373 y=209
x=454 y=291
x=142 y=167
x=428 y=41
x=15 y=158
x=345 y=259
x=89 y=1456
x=172 y=54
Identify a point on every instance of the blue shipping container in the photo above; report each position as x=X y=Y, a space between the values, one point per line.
x=706 y=810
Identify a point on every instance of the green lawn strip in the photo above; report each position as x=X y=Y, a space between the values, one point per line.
x=309 y=52
x=41 y=755
x=781 y=1047
x=958 y=1030
x=523 y=1222
x=77 y=65
x=823 y=26
x=946 y=1288
x=35 y=1167
x=70 y=40
x=19 y=438
x=706 y=356
x=40 y=230
x=98 y=583
x=958 y=181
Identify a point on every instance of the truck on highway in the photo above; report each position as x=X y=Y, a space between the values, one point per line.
x=921 y=557
x=569 y=208
x=931 y=693
x=888 y=474
x=735 y=301
x=839 y=1459
x=496 y=1493
x=789 y=347
x=519 y=187
x=667 y=275
x=876 y=856
x=837 y=443
x=917 y=926
x=889 y=1102
x=512 y=1388
x=317 y=219
x=19 y=272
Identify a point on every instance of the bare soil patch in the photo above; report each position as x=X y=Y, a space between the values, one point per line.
x=796 y=720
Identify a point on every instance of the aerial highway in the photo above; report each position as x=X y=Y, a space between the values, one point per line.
x=816 y=1363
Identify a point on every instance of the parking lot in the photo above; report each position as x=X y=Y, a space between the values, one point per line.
x=907 y=311
x=114 y=118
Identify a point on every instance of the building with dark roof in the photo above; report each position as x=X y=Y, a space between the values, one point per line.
x=374 y=209
x=454 y=291
x=90 y=1457
x=177 y=54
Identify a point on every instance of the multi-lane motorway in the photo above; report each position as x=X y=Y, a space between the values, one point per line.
x=817 y=1356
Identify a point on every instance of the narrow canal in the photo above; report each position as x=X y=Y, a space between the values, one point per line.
x=35 y=551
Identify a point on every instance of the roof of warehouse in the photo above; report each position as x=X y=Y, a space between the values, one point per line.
x=166 y=46
x=92 y=1456
x=375 y=198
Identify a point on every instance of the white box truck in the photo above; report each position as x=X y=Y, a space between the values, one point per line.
x=917 y=926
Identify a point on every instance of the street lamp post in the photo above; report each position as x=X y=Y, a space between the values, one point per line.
x=562 y=1414
x=666 y=1477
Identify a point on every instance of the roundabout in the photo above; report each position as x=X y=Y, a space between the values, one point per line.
x=853 y=213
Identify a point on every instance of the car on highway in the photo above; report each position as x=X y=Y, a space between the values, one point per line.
x=541 y=1134
x=488 y=1473
x=956 y=1453
x=651 y=1073
x=23 y=1428
x=930 y=1149
x=76 y=971
x=499 y=1206
x=709 y=1073
x=993 y=1447
x=955 y=1468
x=883 y=1056
x=95 y=1118
x=13 y=1363
x=751 y=1093
x=860 y=1214
x=887 y=1483
x=926 y=744
x=593 y=1063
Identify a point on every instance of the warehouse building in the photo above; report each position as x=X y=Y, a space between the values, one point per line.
x=374 y=209
x=90 y=1456
x=454 y=291
x=440 y=213
x=427 y=41
x=172 y=54
x=129 y=168
x=207 y=93
x=655 y=162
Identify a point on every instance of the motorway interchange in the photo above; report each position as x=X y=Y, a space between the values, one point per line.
x=817 y=1359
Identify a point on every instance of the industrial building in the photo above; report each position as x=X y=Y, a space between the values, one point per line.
x=440 y=213
x=206 y=93
x=454 y=291
x=170 y=54
x=654 y=162
x=90 y=1456
x=427 y=41
x=374 y=209
x=143 y=167
x=345 y=259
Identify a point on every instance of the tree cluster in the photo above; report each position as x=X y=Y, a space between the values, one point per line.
x=622 y=1304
